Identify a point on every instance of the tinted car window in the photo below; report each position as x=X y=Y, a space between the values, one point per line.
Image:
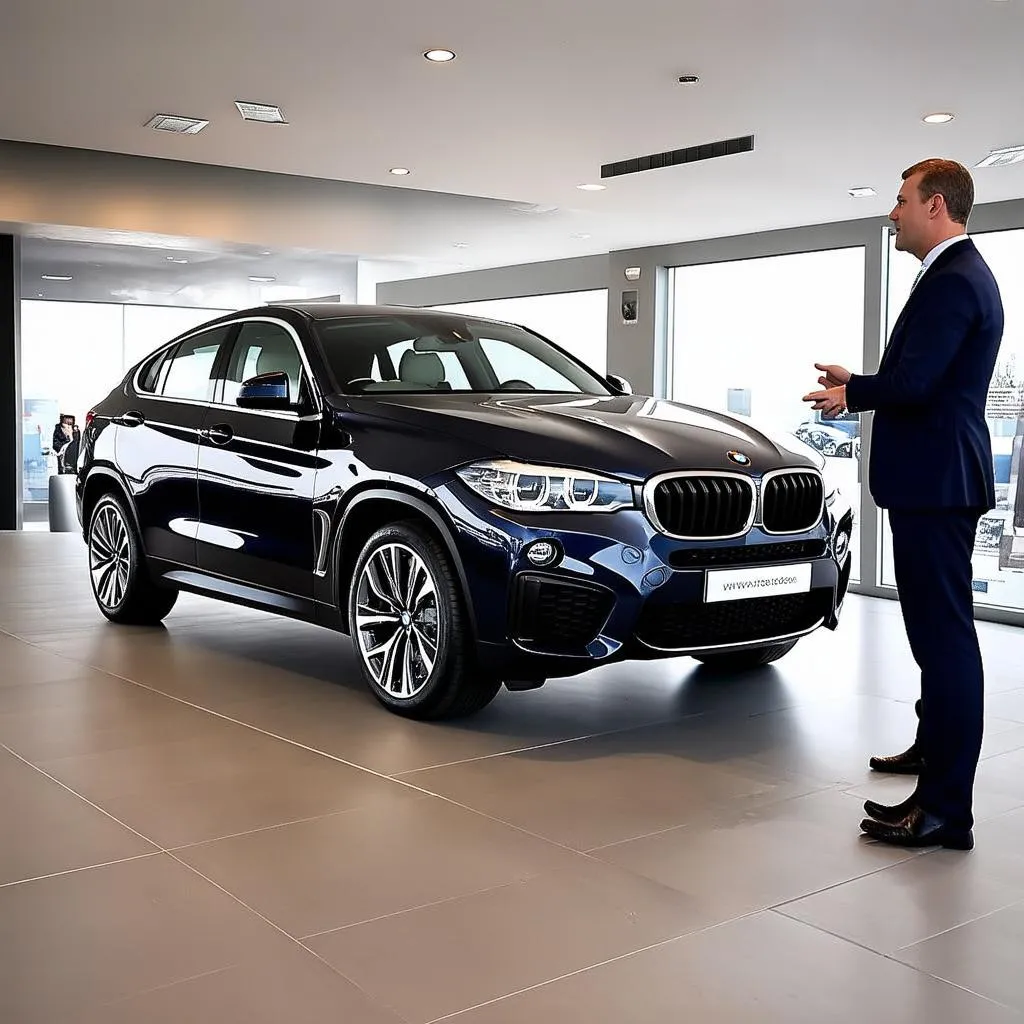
x=436 y=353
x=150 y=376
x=187 y=373
x=263 y=348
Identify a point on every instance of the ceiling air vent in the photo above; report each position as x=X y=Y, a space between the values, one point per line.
x=1003 y=157
x=264 y=112
x=674 y=157
x=176 y=124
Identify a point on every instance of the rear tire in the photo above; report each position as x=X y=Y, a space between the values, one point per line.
x=121 y=583
x=744 y=661
x=410 y=629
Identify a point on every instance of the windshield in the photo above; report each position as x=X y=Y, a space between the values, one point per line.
x=431 y=352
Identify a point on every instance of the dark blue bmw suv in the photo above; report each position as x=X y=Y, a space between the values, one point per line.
x=473 y=505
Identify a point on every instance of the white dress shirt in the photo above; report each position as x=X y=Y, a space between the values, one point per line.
x=940 y=249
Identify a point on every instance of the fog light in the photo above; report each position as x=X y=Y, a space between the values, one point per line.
x=543 y=552
x=842 y=545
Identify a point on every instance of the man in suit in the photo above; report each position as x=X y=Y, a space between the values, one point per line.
x=931 y=467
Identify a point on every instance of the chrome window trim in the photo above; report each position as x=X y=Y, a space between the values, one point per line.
x=280 y=414
x=649 y=508
x=790 y=471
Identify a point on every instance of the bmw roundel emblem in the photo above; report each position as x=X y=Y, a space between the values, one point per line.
x=739 y=458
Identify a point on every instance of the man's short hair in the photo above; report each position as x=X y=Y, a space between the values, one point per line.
x=948 y=179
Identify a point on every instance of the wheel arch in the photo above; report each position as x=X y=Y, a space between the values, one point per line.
x=103 y=480
x=368 y=511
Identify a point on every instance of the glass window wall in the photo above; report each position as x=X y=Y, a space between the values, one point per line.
x=746 y=336
x=72 y=355
x=577 y=321
x=999 y=551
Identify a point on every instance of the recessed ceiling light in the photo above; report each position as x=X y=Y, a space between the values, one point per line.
x=398 y=171
x=461 y=245
x=440 y=56
x=266 y=252
x=591 y=188
x=176 y=124
x=176 y=259
x=863 y=192
x=266 y=113
x=262 y=280
x=938 y=118
x=57 y=277
x=1002 y=157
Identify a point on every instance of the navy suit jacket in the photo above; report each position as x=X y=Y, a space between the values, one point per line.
x=930 y=444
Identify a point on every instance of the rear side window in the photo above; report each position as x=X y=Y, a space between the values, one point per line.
x=187 y=374
x=150 y=376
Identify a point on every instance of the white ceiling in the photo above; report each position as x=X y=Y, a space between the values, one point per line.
x=140 y=270
x=542 y=94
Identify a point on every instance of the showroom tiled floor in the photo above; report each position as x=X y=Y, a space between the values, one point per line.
x=214 y=821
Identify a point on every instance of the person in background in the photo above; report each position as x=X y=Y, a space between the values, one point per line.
x=66 y=441
x=931 y=466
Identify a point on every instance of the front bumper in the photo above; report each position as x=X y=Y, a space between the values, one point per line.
x=620 y=589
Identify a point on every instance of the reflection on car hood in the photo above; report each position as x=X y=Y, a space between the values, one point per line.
x=630 y=437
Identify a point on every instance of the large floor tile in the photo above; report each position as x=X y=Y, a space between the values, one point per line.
x=917 y=899
x=82 y=939
x=466 y=951
x=1009 y=704
x=45 y=829
x=221 y=783
x=766 y=969
x=318 y=875
x=101 y=714
x=736 y=864
x=983 y=956
x=593 y=792
x=292 y=986
x=23 y=664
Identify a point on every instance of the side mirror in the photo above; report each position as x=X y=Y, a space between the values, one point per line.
x=267 y=391
x=619 y=384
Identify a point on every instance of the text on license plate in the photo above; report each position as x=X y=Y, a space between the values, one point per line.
x=764 y=581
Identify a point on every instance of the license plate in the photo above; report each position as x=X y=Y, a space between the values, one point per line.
x=764 y=581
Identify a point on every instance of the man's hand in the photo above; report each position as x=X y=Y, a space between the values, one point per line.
x=832 y=376
x=830 y=401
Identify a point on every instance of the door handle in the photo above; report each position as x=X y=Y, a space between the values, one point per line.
x=129 y=419
x=220 y=434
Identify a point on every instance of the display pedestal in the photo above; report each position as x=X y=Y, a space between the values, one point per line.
x=63 y=514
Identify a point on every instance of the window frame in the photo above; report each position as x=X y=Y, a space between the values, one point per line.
x=303 y=406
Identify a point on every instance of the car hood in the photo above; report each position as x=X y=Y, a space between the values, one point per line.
x=629 y=437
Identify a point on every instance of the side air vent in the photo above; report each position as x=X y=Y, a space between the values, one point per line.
x=708 y=151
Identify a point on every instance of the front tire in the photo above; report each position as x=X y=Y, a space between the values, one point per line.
x=410 y=630
x=121 y=584
x=745 y=661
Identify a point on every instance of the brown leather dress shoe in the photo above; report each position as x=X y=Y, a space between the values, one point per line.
x=919 y=828
x=909 y=762
x=890 y=814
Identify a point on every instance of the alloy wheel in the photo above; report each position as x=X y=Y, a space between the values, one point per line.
x=110 y=556
x=397 y=620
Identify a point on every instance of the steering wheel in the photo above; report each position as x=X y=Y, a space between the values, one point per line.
x=515 y=385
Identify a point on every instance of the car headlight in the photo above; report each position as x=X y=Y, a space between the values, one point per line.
x=527 y=488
